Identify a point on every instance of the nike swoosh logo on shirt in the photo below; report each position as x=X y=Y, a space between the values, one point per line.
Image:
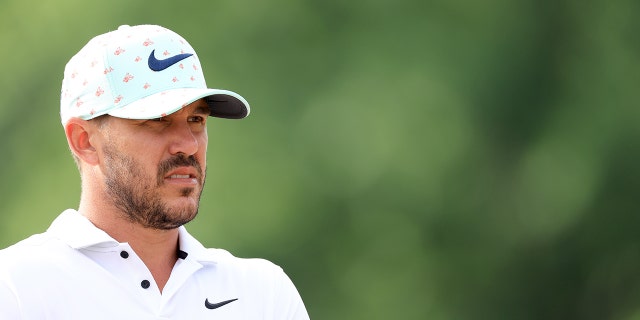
x=210 y=305
x=159 y=65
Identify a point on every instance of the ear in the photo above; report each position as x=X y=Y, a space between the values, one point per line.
x=79 y=137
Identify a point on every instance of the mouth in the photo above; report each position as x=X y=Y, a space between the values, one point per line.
x=181 y=171
x=183 y=176
x=180 y=176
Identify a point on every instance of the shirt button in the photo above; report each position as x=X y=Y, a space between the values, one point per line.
x=145 y=284
x=124 y=254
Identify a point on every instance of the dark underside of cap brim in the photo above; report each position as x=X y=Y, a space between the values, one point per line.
x=225 y=106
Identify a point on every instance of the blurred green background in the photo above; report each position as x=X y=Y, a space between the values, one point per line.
x=403 y=159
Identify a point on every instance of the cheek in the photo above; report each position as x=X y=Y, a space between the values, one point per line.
x=202 y=146
x=202 y=158
x=148 y=156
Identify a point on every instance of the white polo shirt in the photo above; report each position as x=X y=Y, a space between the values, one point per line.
x=76 y=271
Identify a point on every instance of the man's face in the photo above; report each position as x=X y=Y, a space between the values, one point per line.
x=154 y=170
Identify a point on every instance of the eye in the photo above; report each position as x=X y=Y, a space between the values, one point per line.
x=197 y=119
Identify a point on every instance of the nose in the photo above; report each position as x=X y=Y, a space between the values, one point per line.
x=183 y=139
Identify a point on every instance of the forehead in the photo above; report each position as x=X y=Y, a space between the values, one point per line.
x=199 y=106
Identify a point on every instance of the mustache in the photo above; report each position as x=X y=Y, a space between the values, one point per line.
x=178 y=161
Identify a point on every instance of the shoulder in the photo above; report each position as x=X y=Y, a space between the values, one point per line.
x=35 y=243
x=224 y=260
x=255 y=273
x=39 y=252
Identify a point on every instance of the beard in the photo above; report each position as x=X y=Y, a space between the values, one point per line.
x=136 y=194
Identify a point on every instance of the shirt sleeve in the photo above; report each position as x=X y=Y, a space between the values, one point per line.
x=291 y=306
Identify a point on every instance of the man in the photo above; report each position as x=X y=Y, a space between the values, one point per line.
x=134 y=107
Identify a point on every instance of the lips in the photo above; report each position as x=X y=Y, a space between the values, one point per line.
x=183 y=173
x=180 y=169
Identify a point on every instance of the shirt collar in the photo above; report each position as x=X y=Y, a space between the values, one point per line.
x=78 y=232
x=195 y=249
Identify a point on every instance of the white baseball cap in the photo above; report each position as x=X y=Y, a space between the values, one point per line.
x=140 y=72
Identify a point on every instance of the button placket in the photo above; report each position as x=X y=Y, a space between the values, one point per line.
x=133 y=263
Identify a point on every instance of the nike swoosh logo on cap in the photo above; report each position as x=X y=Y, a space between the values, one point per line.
x=159 y=65
x=210 y=305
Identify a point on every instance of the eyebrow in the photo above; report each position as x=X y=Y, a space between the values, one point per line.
x=202 y=110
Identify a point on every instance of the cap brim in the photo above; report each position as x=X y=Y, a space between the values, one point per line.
x=223 y=103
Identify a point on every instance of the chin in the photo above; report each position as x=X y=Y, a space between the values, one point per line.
x=185 y=206
x=186 y=192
